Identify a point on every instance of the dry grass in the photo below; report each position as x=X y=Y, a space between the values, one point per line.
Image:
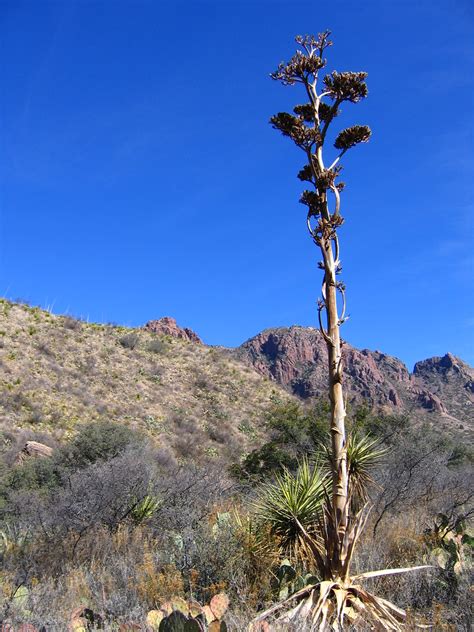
x=56 y=372
x=129 y=571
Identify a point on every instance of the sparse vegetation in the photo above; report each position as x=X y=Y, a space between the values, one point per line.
x=64 y=376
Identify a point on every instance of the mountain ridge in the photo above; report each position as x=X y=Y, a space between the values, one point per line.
x=439 y=389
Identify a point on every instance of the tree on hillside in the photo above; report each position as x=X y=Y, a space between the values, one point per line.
x=339 y=597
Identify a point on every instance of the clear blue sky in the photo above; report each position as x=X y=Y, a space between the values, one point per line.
x=140 y=177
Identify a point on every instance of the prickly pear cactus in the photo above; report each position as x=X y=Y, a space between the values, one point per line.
x=219 y=604
x=286 y=581
x=208 y=614
x=179 y=622
x=178 y=615
x=453 y=544
x=79 y=624
x=195 y=608
x=217 y=626
x=154 y=618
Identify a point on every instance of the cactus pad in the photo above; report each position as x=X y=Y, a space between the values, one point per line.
x=194 y=608
x=167 y=607
x=154 y=618
x=208 y=614
x=218 y=626
x=179 y=604
x=78 y=624
x=178 y=622
x=219 y=604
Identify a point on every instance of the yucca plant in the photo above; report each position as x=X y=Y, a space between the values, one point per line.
x=293 y=506
x=144 y=509
x=364 y=452
x=339 y=598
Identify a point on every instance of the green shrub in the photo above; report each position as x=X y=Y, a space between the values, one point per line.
x=157 y=346
x=262 y=462
x=35 y=474
x=295 y=432
x=98 y=441
x=129 y=341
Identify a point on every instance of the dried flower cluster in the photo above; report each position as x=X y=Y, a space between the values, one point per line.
x=308 y=126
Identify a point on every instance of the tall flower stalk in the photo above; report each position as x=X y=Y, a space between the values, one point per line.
x=337 y=523
x=308 y=128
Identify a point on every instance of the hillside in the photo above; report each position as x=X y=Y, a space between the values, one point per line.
x=57 y=372
x=194 y=400
x=440 y=390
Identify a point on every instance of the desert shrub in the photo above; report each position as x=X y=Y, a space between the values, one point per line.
x=97 y=441
x=262 y=462
x=70 y=322
x=219 y=433
x=105 y=493
x=129 y=341
x=156 y=346
x=62 y=522
x=385 y=427
x=45 y=349
x=294 y=432
x=35 y=474
x=188 y=444
x=461 y=454
x=204 y=382
x=418 y=472
x=35 y=415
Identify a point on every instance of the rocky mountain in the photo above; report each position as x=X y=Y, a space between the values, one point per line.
x=452 y=381
x=168 y=327
x=440 y=390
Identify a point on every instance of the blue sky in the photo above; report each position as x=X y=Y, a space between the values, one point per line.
x=140 y=177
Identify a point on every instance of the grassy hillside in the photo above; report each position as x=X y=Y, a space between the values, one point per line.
x=195 y=401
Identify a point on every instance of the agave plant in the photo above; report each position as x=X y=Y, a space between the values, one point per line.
x=339 y=597
x=144 y=509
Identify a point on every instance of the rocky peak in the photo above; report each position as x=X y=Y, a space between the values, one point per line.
x=168 y=326
x=441 y=365
x=283 y=353
x=296 y=357
x=452 y=382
